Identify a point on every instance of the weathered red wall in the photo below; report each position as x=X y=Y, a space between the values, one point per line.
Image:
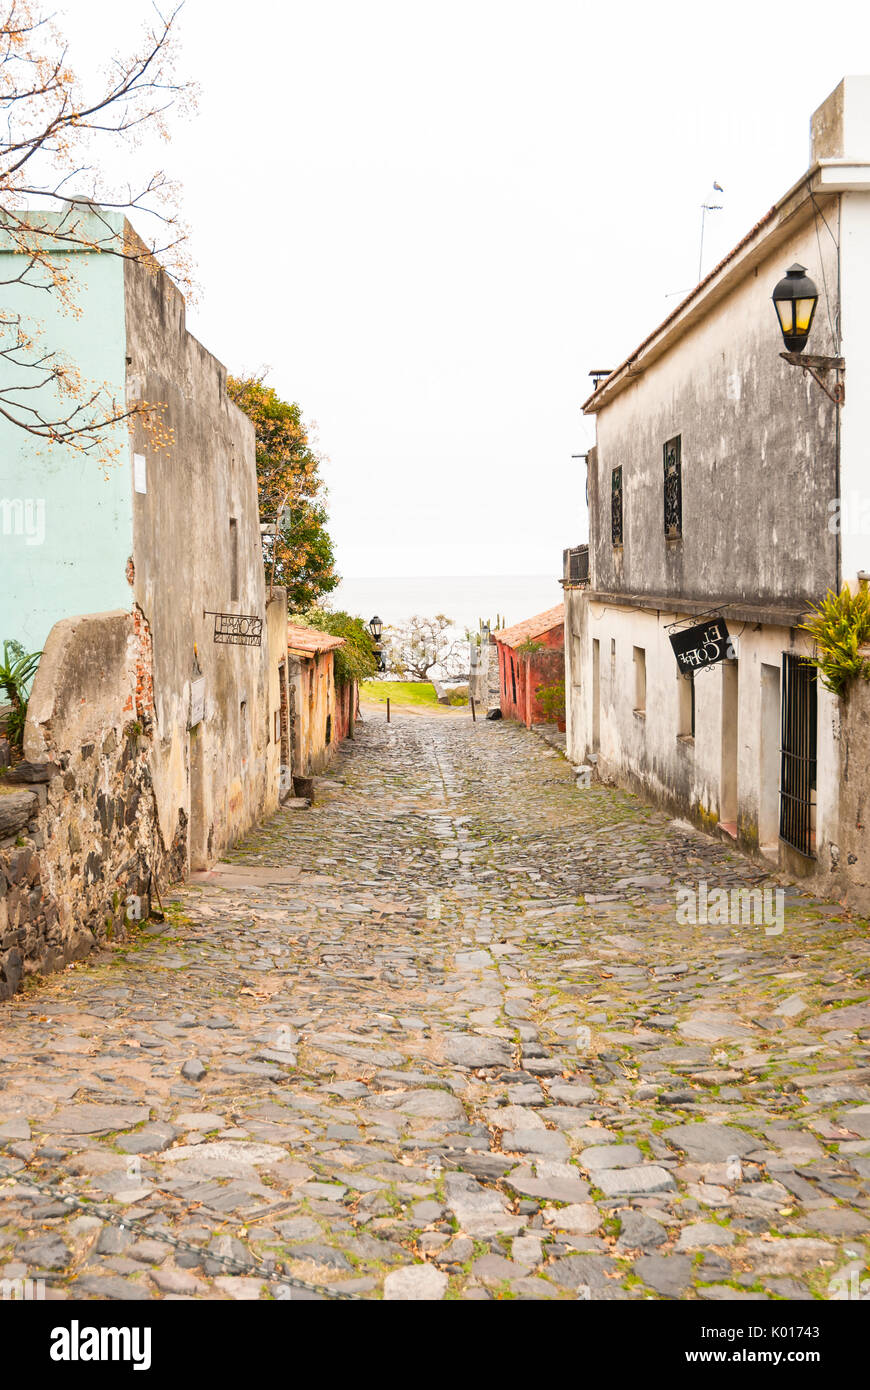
x=527 y=674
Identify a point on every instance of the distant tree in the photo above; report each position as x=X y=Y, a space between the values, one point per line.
x=289 y=480
x=423 y=646
x=54 y=200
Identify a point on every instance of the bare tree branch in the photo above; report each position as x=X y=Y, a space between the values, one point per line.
x=53 y=200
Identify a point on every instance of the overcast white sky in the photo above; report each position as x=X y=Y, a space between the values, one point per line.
x=431 y=220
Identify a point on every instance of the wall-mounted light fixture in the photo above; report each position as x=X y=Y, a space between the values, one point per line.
x=795 y=298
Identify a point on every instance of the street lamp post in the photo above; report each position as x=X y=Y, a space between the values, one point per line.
x=376 y=627
x=795 y=298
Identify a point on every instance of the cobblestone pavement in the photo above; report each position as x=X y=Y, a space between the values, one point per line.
x=442 y=1035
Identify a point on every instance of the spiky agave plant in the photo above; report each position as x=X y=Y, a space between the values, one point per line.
x=17 y=670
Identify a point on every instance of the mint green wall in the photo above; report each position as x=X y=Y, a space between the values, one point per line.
x=79 y=566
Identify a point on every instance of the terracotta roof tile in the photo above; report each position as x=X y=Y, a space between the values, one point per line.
x=531 y=628
x=311 y=640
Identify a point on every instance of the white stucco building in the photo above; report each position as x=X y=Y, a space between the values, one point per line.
x=716 y=488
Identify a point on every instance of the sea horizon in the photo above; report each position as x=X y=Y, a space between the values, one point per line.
x=464 y=599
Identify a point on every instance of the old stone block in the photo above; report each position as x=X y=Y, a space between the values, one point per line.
x=13 y=907
x=16 y=809
x=32 y=772
x=106 y=812
x=94 y=868
x=18 y=866
x=11 y=968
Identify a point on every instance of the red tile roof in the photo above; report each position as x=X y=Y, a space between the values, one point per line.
x=310 y=640
x=531 y=628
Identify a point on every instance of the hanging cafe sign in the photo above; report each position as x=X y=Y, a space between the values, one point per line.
x=702 y=645
x=236 y=629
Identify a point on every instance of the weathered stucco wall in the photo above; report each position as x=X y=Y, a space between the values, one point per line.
x=88 y=840
x=313 y=707
x=854 y=232
x=197 y=551
x=759 y=460
x=653 y=750
x=346 y=701
x=851 y=869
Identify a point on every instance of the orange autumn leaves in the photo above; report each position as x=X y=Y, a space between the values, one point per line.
x=289 y=480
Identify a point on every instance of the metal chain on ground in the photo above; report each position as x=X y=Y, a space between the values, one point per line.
x=114 y=1218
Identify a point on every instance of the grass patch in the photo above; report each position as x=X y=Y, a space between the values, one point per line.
x=399 y=692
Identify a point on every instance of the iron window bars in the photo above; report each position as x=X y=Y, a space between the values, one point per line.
x=798 y=776
x=673 y=489
x=616 y=506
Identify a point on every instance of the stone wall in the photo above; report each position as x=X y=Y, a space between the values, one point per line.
x=483 y=685
x=79 y=840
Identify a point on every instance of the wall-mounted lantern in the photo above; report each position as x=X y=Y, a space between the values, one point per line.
x=795 y=298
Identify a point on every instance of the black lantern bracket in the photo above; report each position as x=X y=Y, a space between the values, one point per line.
x=818 y=368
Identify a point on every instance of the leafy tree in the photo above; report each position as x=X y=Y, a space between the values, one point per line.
x=300 y=556
x=356 y=661
x=54 y=201
x=414 y=649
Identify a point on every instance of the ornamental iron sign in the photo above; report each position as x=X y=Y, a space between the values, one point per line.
x=702 y=645
x=236 y=629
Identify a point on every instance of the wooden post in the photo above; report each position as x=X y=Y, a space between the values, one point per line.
x=388 y=709
x=473 y=711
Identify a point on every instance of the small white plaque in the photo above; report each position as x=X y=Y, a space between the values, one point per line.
x=140 y=473
x=197 y=702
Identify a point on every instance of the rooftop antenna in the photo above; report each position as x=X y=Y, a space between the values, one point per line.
x=706 y=207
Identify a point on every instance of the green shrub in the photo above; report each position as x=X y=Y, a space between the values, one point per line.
x=551 y=698
x=840 y=625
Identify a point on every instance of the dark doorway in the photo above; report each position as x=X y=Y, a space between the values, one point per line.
x=797 y=805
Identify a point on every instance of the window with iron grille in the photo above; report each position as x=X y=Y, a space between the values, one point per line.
x=673 y=489
x=616 y=506
x=797 y=803
x=575 y=565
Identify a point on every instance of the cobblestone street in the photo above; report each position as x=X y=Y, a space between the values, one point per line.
x=443 y=1036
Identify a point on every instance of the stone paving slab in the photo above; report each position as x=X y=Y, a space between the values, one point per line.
x=442 y=1035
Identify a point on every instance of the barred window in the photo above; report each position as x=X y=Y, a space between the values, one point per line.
x=616 y=506
x=673 y=489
